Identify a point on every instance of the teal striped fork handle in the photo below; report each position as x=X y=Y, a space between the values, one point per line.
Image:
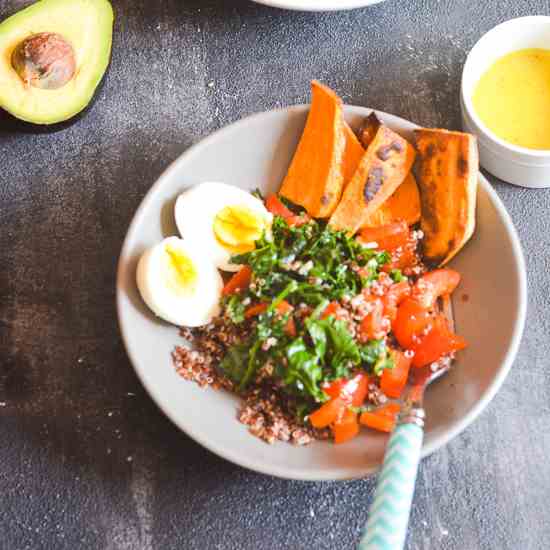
x=386 y=527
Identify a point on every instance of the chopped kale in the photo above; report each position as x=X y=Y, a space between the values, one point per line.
x=234 y=308
x=325 y=264
x=312 y=265
x=235 y=362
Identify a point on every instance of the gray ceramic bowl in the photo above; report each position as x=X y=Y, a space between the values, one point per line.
x=255 y=152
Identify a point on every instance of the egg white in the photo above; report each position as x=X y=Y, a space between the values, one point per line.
x=190 y=307
x=196 y=210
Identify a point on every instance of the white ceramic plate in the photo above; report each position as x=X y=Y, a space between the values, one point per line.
x=318 y=5
x=255 y=152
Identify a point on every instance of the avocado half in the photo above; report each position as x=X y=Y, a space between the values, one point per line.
x=53 y=55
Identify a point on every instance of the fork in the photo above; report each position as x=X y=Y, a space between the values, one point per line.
x=388 y=519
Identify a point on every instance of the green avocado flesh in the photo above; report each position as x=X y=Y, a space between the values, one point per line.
x=87 y=26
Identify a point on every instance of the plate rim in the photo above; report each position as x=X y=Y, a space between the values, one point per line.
x=273 y=470
x=318 y=6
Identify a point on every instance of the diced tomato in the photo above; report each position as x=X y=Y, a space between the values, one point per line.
x=432 y=285
x=274 y=204
x=383 y=419
x=436 y=343
x=405 y=258
x=394 y=380
x=334 y=389
x=255 y=310
x=387 y=237
x=346 y=427
x=328 y=413
x=374 y=325
x=290 y=327
x=411 y=322
x=358 y=388
x=352 y=390
x=331 y=309
x=296 y=220
x=343 y=393
x=283 y=308
x=239 y=281
x=395 y=295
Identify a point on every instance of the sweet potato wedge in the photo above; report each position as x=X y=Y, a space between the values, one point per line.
x=447 y=174
x=369 y=129
x=382 y=169
x=404 y=204
x=352 y=154
x=315 y=177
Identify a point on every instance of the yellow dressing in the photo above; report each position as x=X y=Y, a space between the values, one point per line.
x=181 y=275
x=513 y=98
x=238 y=227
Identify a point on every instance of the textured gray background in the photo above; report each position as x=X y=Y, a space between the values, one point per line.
x=86 y=459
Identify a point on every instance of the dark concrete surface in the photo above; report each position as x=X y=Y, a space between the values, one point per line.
x=86 y=459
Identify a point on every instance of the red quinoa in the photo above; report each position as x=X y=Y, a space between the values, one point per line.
x=268 y=414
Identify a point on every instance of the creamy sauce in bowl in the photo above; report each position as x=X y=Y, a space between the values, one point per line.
x=512 y=98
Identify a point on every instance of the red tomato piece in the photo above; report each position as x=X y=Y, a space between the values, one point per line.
x=358 y=388
x=274 y=204
x=405 y=258
x=395 y=295
x=328 y=413
x=290 y=327
x=387 y=237
x=283 y=308
x=437 y=342
x=393 y=381
x=255 y=310
x=374 y=325
x=383 y=419
x=411 y=322
x=331 y=309
x=353 y=390
x=296 y=220
x=346 y=427
x=435 y=284
x=239 y=281
x=334 y=389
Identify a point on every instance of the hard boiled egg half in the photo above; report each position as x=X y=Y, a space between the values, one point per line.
x=179 y=282
x=221 y=220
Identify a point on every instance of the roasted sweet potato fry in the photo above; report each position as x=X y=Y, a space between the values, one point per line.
x=384 y=166
x=447 y=174
x=315 y=178
x=369 y=129
x=404 y=204
x=352 y=154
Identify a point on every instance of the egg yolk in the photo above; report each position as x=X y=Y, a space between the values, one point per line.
x=181 y=275
x=238 y=227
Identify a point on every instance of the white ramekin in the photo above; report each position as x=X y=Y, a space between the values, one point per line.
x=513 y=164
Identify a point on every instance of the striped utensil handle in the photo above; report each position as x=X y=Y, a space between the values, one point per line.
x=389 y=513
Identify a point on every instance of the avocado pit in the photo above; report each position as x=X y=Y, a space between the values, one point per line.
x=44 y=60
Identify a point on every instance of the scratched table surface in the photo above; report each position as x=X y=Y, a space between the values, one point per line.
x=86 y=459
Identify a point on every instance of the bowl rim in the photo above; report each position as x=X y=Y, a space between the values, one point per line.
x=318 y=5
x=480 y=126
x=273 y=470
